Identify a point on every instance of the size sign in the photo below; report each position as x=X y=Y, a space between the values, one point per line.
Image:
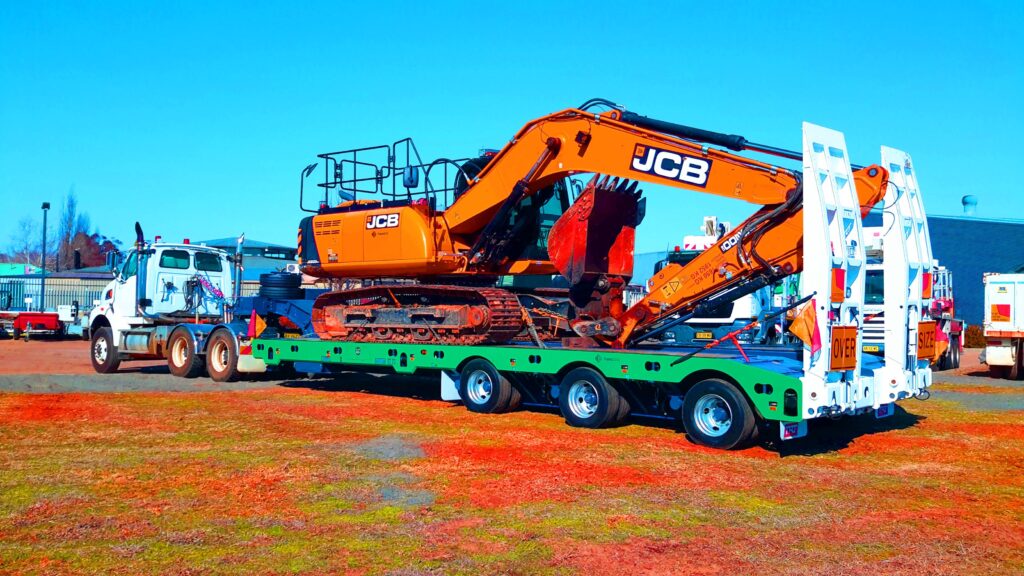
x=926 y=340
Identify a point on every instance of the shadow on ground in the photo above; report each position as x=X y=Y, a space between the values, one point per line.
x=823 y=435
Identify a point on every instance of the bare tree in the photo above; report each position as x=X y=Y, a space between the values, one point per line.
x=25 y=242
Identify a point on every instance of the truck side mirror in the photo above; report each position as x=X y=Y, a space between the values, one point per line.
x=113 y=261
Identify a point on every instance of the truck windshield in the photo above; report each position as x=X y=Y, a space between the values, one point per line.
x=207 y=262
x=874 y=287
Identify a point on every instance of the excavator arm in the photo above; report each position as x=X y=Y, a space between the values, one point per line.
x=764 y=249
x=593 y=247
x=576 y=141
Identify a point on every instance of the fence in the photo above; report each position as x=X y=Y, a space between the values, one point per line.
x=59 y=291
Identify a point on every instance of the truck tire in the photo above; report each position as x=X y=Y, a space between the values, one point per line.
x=587 y=400
x=281 y=286
x=182 y=359
x=1015 y=372
x=103 y=352
x=955 y=350
x=483 y=389
x=222 y=357
x=716 y=414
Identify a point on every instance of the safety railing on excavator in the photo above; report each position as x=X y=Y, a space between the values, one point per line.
x=391 y=173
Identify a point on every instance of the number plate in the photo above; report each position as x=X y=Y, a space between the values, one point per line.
x=705 y=336
x=885 y=410
x=292 y=335
x=844 y=348
x=870 y=348
x=926 y=340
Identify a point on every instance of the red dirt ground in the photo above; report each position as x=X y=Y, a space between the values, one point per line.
x=47 y=356
x=322 y=477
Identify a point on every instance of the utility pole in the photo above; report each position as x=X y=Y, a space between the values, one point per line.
x=42 y=280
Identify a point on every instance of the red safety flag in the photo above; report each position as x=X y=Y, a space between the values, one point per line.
x=805 y=327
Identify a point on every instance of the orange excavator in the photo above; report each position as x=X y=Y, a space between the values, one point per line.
x=493 y=226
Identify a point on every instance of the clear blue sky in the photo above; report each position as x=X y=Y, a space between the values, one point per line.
x=196 y=118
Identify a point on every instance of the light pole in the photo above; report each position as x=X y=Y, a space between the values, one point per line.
x=42 y=281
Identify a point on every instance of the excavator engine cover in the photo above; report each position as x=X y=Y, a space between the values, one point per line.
x=595 y=237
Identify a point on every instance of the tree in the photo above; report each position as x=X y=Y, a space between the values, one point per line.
x=92 y=248
x=25 y=242
x=72 y=224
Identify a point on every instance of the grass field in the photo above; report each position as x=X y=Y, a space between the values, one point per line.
x=317 y=477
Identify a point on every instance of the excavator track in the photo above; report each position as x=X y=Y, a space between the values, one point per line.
x=419 y=313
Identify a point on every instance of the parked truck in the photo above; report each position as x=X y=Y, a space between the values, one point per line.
x=181 y=302
x=949 y=330
x=1004 y=325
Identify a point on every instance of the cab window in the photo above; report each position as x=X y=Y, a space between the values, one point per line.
x=207 y=262
x=131 y=266
x=874 y=287
x=174 y=259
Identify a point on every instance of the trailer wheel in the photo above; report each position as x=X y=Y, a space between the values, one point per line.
x=716 y=414
x=1014 y=372
x=182 y=359
x=103 y=352
x=587 y=400
x=221 y=357
x=483 y=389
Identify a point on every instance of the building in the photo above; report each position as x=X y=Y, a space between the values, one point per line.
x=972 y=247
x=260 y=258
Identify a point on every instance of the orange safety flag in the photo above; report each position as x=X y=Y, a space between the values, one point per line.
x=805 y=327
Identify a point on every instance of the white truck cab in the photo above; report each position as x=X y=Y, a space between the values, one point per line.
x=156 y=287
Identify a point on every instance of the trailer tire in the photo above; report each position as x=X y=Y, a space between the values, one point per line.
x=1015 y=372
x=182 y=359
x=103 y=352
x=483 y=389
x=1000 y=372
x=716 y=414
x=587 y=400
x=222 y=357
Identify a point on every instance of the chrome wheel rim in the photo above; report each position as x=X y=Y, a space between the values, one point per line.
x=99 y=350
x=583 y=399
x=219 y=356
x=179 y=352
x=479 y=387
x=712 y=415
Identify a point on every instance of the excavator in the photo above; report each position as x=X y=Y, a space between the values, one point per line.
x=443 y=264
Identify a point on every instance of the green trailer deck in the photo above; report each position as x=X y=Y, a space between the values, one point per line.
x=654 y=381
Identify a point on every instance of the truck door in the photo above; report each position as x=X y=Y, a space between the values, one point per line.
x=124 y=289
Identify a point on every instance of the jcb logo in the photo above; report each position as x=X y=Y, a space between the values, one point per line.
x=671 y=165
x=382 y=221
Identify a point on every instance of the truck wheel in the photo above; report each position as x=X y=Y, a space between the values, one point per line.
x=221 y=357
x=181 y=356
x=103 y=352
x=716 y=414
x=483 y=389
x=588 y=400
x=955 y=349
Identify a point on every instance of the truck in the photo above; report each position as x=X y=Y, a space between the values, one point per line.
x=1004 y=325
x=418 y=269
x=949 y=330
x=181 y=302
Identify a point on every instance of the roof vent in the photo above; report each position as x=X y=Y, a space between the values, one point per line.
x=970 y=203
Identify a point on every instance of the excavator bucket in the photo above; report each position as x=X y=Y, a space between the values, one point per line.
x=596 y=235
